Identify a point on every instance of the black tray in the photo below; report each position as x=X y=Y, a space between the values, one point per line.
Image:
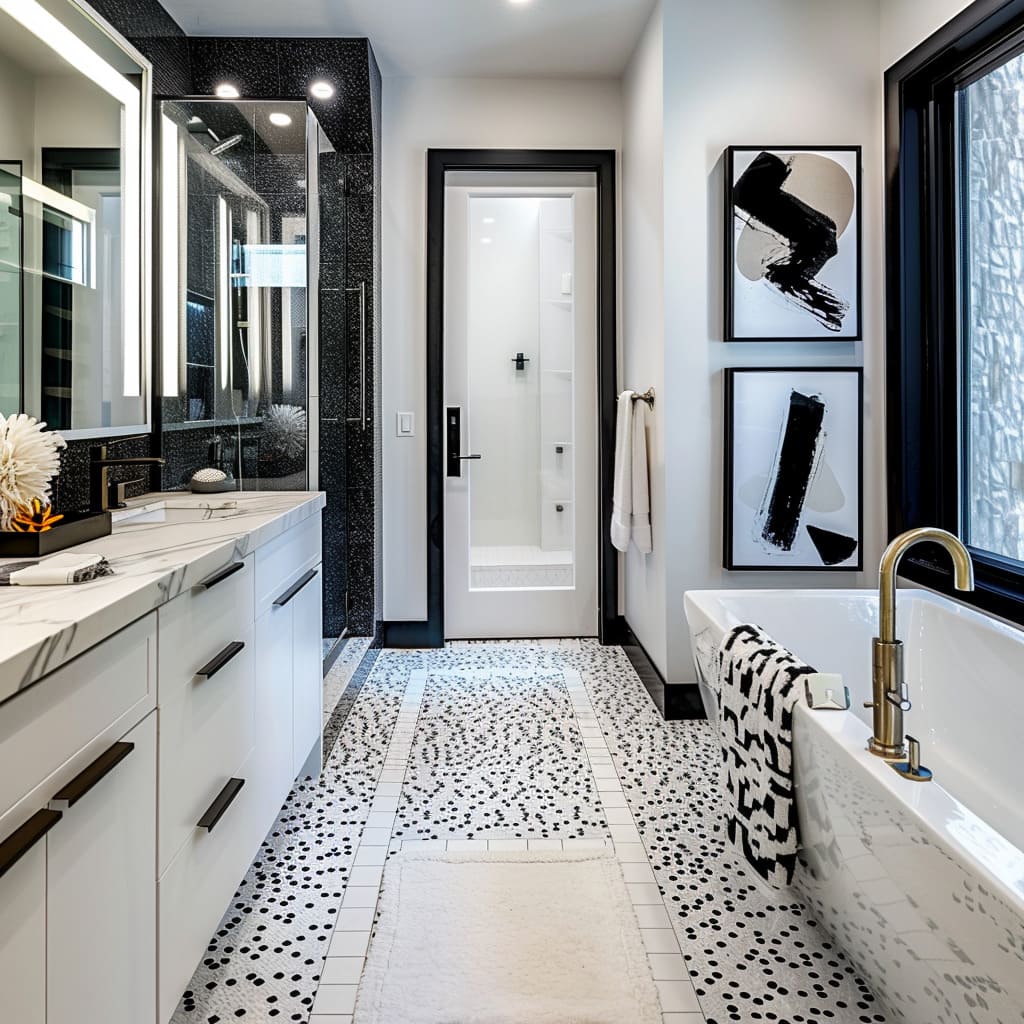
x=74 y=528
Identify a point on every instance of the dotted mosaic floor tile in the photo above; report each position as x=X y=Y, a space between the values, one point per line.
x=475 y=744
x=498 y=755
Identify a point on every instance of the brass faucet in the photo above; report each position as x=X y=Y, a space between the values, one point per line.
x=103 y=495
x=889 y=690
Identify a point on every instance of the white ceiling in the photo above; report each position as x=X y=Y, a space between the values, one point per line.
x=491 y=38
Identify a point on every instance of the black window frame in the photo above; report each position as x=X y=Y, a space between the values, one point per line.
x=924 y=362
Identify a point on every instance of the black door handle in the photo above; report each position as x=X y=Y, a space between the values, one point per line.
x=22 y=839
x=464 y=457
x=295 y=588
x=214 y=665
x=222 y=802
x=91 y=776
x=220 y=575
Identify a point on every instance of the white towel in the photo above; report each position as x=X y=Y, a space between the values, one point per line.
x=61 y=569
x=622 y=493
x=640 y=485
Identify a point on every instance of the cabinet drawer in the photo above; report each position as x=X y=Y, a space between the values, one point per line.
x=100 y=899
x=196 y=625
x=111 y=685
x=207 y=730
x=197 y=888
x=281 y=562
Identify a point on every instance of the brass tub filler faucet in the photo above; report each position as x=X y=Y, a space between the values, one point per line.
x=890 y=695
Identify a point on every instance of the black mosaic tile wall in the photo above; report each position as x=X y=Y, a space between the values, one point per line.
x=349 y=252
x=157 y=36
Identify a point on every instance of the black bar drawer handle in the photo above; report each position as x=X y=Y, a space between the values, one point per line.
x=214 y=665
x=21 y=840
x=90 y=776
x=219 y=576
x=295 y=588
x=221 y=804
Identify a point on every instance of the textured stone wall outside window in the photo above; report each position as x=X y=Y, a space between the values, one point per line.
x=993 y=115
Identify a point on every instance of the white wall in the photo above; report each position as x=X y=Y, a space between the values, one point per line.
x=800 y=71
x=905 y=23
x=419 y=114
x=643 y=316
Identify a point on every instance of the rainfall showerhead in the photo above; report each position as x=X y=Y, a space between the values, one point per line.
x=223 y=147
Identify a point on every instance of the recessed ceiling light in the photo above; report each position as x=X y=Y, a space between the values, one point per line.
x=486 y=241
x=281 y=120
x=519 y=2
x=322 y=90
x=488 y=220
x=226 y=91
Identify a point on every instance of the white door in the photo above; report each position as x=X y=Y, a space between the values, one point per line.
x=520 y=432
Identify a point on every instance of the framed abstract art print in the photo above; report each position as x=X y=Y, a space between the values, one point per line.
x=793 y=467
x=793 y=243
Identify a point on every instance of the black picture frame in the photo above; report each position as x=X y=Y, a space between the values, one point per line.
x=731 y=561
x=821 y=334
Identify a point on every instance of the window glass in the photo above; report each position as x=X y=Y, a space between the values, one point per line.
x=991 y=131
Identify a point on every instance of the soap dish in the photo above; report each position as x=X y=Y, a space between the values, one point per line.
x=211 y=481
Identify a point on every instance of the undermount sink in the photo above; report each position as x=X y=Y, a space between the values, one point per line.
x=174 y=512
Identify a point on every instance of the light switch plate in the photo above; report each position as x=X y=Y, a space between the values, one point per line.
x=567 y=284
x=404 y=424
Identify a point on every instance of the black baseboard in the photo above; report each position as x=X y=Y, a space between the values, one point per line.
x=411 y=634
x=675 y=701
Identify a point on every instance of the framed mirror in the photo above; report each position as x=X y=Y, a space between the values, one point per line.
x=74 y=205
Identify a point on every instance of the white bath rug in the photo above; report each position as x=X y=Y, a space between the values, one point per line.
x=506 y=938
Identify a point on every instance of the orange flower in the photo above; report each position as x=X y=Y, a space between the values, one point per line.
x=36 y=518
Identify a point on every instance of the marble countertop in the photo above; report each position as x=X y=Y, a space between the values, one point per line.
x=41 y=628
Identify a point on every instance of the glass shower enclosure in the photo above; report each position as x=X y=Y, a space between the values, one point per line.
x=239 y=287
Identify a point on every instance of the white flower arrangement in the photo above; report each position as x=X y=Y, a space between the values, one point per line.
x=29 y=460
x=285 y=428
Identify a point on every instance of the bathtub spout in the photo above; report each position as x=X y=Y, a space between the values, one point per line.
x=889 y=691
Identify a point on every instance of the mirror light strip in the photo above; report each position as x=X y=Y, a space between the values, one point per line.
x=224 y=289
x=170 y=287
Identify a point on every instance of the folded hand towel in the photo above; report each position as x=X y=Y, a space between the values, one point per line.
x=61 y=569
x=759 y=685
x=641 y=505
x=622 y=494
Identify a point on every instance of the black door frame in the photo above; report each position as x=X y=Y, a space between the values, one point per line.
x=430 y=633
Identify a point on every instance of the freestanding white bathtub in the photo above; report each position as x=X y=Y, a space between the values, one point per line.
x=922 y=884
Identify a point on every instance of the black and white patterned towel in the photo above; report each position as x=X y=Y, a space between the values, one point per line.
x=758 y=687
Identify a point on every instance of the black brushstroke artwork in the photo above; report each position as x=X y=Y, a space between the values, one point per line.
x=834 y=548
x=795 y=467
x=811 y=237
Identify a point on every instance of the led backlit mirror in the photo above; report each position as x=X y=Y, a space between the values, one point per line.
x=74 y=101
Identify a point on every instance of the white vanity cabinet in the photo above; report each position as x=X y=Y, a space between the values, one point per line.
x=78 y=839
x=233 y=667
x=138 y=780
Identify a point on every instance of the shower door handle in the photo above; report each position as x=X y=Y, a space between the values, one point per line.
x=361 y=418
